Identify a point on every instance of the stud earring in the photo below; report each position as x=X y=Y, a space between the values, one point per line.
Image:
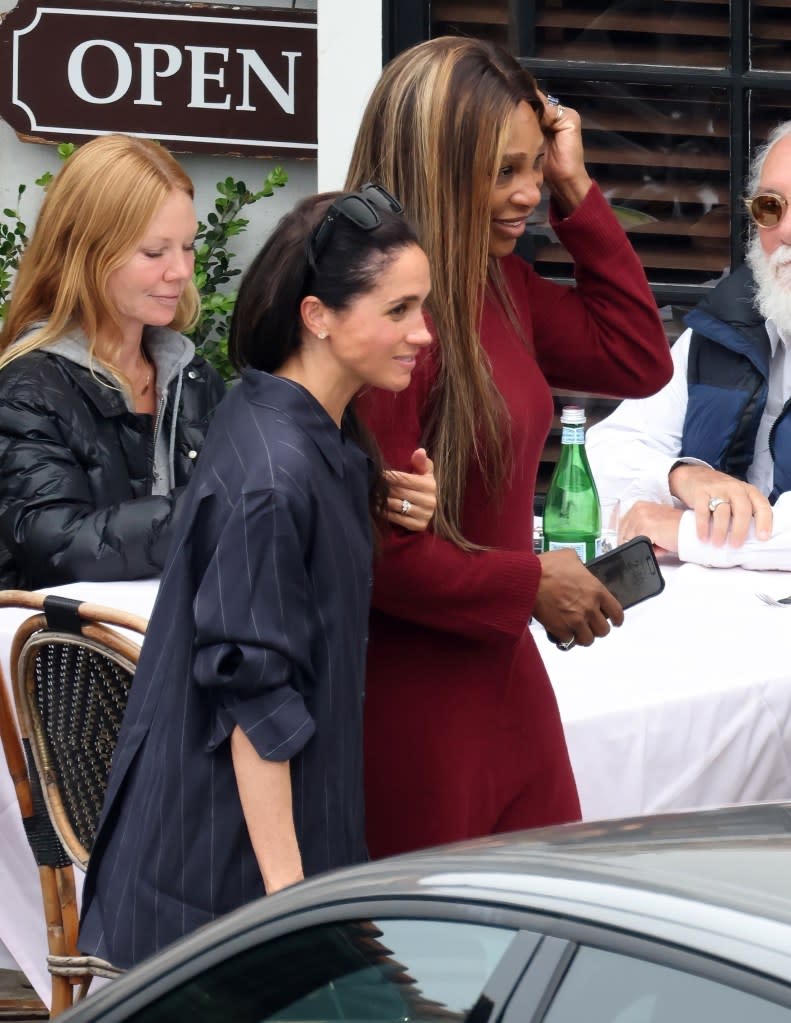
x=322 y=336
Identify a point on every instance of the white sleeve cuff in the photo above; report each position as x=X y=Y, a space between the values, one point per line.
x=774 y=553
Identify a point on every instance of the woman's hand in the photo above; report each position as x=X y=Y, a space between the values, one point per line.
x=416 y=492
x=736 y=504
x=571 y=603
x=565 y=173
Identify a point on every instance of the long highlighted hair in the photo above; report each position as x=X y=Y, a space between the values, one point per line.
x=433 y=133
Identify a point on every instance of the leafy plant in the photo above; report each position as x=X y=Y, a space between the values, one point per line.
x=13 y=239
x=213 y=268
x=212 y=264
x=13 y=233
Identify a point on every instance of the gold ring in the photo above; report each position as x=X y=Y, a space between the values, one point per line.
x=560 y=112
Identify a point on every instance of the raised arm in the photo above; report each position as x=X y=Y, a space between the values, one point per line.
x=605 y=334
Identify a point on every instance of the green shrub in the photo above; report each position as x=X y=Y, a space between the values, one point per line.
x=213 y=264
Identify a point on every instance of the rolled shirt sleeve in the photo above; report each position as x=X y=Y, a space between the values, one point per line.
x=255 y=623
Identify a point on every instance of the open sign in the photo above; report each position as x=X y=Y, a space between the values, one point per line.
x=223 y=80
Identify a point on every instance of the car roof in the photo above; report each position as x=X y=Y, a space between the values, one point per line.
x=717 y=882
x=736 y=857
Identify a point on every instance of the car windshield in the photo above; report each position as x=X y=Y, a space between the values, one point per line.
x=385 y=971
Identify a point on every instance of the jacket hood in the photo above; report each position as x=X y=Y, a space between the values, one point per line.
x=170 y=352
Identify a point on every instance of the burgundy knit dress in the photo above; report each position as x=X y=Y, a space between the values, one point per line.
x=462 y=731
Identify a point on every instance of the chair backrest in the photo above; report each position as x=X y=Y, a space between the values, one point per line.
x=71 y=691
x=70 y=674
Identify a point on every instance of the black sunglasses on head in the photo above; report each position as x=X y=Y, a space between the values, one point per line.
x=361 y=208
x=766 y=208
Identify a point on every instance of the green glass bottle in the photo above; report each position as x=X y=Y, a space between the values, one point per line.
x=572 y=515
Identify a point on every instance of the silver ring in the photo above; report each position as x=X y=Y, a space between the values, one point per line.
x=552 y=100
x=560 y=113
x=406 y=506
x=567 y=644
x=715 y=502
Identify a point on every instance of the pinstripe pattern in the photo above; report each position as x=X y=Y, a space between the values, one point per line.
x=260 y=621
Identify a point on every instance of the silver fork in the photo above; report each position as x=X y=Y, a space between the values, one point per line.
x=774 y=601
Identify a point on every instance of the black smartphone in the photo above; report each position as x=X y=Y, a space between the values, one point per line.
x=630 y=571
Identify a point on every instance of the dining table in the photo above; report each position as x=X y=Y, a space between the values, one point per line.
x=686 y=705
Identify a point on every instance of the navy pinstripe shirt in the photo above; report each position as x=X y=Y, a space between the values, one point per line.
x=260 y=621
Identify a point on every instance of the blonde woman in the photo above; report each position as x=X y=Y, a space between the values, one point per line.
x=104 y=405
x=463 y=735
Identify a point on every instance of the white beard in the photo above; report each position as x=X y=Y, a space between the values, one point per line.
x=773 y=283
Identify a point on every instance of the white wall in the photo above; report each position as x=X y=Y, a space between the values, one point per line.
x=24 y=162
x=350 y=59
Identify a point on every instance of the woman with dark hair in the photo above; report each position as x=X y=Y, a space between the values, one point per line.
x=239 y=765
x=468 y=741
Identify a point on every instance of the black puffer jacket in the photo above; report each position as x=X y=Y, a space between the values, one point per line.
x=76 y=472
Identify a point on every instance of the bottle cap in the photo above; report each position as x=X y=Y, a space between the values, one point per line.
x=573 y=415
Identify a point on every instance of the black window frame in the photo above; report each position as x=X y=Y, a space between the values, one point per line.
x=409 y=21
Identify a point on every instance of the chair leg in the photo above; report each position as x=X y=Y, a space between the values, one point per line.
x=70 y=917
x=62 y=993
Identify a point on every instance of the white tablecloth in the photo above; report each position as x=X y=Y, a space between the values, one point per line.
x=687 y=705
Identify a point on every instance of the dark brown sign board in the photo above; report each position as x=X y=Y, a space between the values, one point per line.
x=196 y=78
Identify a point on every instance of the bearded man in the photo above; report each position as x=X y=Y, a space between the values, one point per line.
x=704 y=466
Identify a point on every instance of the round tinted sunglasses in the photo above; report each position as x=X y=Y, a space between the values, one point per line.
x=766 y=209
x=361 y=208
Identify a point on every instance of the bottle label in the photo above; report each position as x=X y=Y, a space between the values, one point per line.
x=580 y=548
x=585 y=549
x=573 y=435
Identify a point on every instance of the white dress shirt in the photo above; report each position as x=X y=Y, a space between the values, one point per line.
x=632 y=451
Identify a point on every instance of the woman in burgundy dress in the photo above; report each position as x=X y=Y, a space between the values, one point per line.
x=463 y=735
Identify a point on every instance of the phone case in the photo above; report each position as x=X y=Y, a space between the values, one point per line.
x=630 y=571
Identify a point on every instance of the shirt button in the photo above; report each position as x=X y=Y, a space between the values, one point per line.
x=192 y=454
x=192 y=375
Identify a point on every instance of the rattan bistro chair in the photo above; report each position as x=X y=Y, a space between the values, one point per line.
x=70 y=675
